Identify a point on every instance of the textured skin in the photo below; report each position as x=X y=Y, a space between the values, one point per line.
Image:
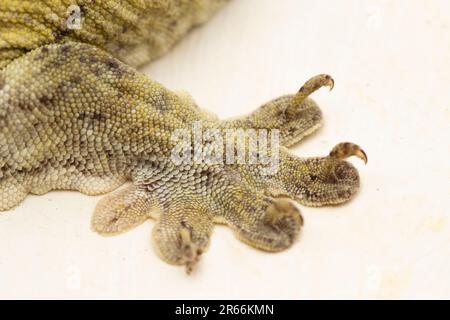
x=75 y=117
x=135 y=31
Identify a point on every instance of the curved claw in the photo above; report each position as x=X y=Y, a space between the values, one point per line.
x=312 y=85
x=327 y=81
x=347 y=149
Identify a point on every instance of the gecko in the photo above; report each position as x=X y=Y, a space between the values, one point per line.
x=76 y=114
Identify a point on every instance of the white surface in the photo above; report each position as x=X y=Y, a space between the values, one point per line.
x=391 y=63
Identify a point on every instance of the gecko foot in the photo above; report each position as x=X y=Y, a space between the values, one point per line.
x=321 y=181
x=274 y=230
x=182 y=234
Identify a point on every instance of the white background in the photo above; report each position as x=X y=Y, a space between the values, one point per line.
x=391 y=64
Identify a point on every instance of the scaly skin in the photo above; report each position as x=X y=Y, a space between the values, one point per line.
x=74 y=117
x=135 y=31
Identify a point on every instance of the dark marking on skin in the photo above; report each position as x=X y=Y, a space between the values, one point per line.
x=211 y=177
x=5 y=168
x=58 y=36
x=82 y=59
x=65 y=48
x=77 y=80
x=82 y=116
x=280 y=114
x=45 y=100
x=112 y=64
x=99 y=117
x=114 y=220
x=185 y=225
x=40 y=167
x=92 y=119
x=37 y=125
x=24 y=106
x=63 y=86
x=71 y=161
x=2 y=82
x=83 y=144
x=97 y=71
x=151 y=186
x=291 y=131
